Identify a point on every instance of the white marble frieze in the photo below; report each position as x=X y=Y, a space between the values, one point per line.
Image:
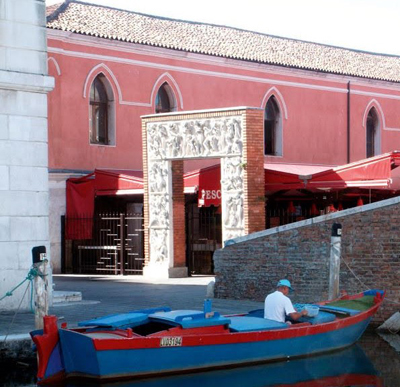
x=217 y=137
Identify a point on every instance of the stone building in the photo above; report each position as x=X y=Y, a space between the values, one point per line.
x=24 y=85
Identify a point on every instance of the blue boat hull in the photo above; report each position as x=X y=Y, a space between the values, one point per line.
x=81 y=358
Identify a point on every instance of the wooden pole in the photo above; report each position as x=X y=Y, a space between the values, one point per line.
x=41 y=293
x=334 y=263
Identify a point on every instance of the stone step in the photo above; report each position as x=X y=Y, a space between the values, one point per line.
x=66 y=296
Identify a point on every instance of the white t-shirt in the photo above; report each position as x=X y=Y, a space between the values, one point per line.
x=277 y=306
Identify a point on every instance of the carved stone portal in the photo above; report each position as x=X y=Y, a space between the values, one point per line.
x=219 y=137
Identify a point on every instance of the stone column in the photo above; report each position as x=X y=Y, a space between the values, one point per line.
x=23 y=141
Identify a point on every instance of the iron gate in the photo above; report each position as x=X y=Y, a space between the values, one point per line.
x=203 y=237
x=105 y=244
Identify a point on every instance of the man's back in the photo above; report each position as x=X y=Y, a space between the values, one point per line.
x=277 y=306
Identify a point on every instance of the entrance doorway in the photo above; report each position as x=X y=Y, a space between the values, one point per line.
x=203 y=237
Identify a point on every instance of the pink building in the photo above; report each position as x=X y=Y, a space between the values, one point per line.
x=324 y=106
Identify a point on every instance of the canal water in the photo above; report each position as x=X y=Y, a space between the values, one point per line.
x=371 y=362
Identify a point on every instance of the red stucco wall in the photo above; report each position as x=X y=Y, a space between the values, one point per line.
x=314 y=131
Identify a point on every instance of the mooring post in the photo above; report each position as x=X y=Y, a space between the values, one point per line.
x=334 y=263
x=41 y=297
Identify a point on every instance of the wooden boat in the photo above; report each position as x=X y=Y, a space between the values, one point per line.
x=160 y=341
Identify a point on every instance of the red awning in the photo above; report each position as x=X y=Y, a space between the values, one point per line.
x=80 y=196
x=374 y=172
x=118 y=182
x=368 y=173
x=80 y=202
x=82 y=191
x=286 y=176
x=207 y=183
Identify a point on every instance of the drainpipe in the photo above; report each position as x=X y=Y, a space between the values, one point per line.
x=348 y=122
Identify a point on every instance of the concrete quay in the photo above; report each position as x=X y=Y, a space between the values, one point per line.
x=82 y=297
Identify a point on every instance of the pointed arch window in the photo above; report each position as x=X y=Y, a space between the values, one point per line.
x=272 y=129
x=165 y=99
x=372 y=133
x=101 y=112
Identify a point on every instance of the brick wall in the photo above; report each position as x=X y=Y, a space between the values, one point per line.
x=251 y=267
x=253 y=182
x=178 y=210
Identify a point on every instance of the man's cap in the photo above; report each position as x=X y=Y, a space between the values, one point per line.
x=284 y=282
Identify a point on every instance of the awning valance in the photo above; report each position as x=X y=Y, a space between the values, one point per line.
x=373 y=172
x=286 y=176
x=118 y=182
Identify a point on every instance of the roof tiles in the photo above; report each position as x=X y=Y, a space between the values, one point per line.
x=116 y=24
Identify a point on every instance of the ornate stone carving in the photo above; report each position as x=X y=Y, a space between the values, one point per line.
x=233 y=216
x=232 y=174
x=159 y=210
x=159 y=245
x=158 y=177
x=195 y=138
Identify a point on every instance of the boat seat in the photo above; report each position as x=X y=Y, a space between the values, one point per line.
x=320 y=318
x=256 y=313
x=123 y=320
x=116 y=321
x=190 y=318
x=251 y=324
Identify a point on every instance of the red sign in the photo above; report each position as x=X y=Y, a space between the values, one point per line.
x=209 y=197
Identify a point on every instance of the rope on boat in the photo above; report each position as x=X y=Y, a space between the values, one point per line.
x=32 y=274
x=15 y=315
x=368 y=288
x=363 y=284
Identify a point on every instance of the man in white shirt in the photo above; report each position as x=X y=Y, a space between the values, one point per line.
x=278 y=305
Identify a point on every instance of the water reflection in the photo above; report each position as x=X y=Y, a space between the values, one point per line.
x=350 y=367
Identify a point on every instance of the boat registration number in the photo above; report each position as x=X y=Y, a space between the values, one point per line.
x=171 y=341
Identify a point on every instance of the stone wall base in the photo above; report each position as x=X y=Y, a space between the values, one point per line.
x=159 y=271
x=178 y=272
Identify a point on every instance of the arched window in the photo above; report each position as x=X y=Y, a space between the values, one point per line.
x=101 y=112
x=165 y=99
x=372 y=134
x=272 y=129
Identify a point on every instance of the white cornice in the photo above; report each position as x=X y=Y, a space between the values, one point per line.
x=164 y=53
x=209 y=73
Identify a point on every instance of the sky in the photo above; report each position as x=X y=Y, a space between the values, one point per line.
x=366 y=25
